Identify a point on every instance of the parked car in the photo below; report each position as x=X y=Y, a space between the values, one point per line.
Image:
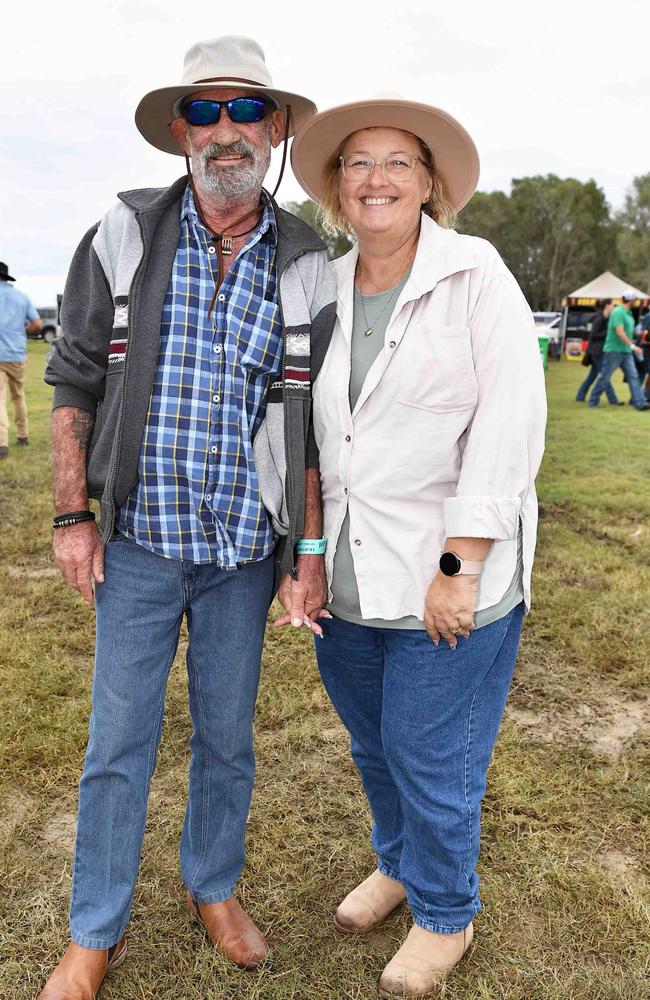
x=49 y=315
x=545 y=318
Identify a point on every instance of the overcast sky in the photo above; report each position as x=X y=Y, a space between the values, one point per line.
x=547 y=87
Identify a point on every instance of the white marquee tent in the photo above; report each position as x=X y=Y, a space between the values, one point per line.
x=605 y=286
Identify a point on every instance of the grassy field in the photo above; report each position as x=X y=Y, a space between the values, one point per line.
x=565 y=819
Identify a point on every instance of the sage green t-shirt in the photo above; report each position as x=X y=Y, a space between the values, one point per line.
x=374 y=312
x=619 y=317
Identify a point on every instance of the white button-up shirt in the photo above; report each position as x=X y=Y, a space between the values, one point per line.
x=447 y=435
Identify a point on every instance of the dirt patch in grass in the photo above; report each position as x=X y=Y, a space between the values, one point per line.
x=32 y=572
x=59 y=830
x=15 y=806
x=618 y=863
x=607 y=728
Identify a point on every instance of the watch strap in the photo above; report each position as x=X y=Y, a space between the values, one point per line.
x=470 y=567
x=451 y=564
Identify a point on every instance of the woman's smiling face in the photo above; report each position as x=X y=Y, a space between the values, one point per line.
x=373 y=204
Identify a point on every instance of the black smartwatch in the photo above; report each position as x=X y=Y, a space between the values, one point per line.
x=452 y=565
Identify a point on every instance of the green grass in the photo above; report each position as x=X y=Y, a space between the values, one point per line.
x=565 y=818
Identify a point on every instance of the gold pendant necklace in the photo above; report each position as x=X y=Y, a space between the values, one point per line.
x=368 y=332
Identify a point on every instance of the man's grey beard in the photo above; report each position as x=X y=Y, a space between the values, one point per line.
x=234 y=181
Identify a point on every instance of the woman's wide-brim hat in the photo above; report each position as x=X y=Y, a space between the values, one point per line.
x=454 y=153
x=232 y=61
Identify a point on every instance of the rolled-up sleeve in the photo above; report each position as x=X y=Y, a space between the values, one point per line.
x=504 y=442
x=30 y=312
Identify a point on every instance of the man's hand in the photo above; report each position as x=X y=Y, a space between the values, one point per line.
x=449 y=607
x=79 y=554
x=303 y=599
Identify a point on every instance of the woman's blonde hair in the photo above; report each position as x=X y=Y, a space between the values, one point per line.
x=330 y=214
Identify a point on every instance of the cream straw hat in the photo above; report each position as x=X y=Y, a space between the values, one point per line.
x=230 y=61
x=453 y=150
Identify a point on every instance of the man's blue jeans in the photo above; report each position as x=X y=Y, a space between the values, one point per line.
x=592 y=375
x=139 y=611
x=611 y=361
x=423 y=721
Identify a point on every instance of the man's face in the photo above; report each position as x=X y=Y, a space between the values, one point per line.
x=229 y=158
x=608 y=310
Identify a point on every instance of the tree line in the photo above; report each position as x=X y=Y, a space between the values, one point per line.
x=555 y=234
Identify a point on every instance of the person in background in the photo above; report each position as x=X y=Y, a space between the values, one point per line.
x=18 y=317
x=594 y=354
x=617 y=350
x=643 y=339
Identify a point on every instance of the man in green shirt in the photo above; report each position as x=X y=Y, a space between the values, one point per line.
x=617 y=351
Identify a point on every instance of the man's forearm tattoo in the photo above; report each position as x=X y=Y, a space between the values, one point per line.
x=82 y=426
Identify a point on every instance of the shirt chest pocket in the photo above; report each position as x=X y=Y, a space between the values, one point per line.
x=259 y=343
x=438 y=371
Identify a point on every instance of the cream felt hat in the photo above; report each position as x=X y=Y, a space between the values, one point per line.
x=230 y=61
x=454 y=153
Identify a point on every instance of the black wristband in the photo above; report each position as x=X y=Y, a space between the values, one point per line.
x=75 y=517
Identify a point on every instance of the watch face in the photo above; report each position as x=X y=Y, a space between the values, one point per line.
x=449 y=564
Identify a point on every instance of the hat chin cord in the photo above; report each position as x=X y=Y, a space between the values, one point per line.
x=222 y=242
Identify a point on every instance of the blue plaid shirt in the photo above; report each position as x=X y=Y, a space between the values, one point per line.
x=198 y=496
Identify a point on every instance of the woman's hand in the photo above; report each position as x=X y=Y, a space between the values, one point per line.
x=449 y=607
x=303 y=599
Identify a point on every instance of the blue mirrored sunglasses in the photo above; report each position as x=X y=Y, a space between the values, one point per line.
x=240 y=109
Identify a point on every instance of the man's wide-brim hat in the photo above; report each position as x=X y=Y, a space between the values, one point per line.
x=454 y=153
x=232 y=61
x=4 y=272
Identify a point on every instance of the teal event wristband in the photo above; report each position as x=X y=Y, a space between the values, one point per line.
x=311 y=546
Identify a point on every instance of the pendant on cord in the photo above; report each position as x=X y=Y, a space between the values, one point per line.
x=368 y=332
x=226 y=244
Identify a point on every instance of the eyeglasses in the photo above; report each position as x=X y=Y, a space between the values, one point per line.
x=397 y=168
x=240 y=109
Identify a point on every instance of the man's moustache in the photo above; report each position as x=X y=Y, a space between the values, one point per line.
x=216 y=150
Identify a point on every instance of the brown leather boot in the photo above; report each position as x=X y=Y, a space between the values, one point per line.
x=367 y=906
x=421 y=965
x=81 y=972
x=232 y=932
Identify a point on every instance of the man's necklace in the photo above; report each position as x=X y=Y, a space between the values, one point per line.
x=369 y=327
x=222 y=243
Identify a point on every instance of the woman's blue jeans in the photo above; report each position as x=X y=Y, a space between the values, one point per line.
x=423 y=722
x=139 y=611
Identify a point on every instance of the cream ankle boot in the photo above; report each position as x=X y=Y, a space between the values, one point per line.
x=423 y=961
x=367 y=906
